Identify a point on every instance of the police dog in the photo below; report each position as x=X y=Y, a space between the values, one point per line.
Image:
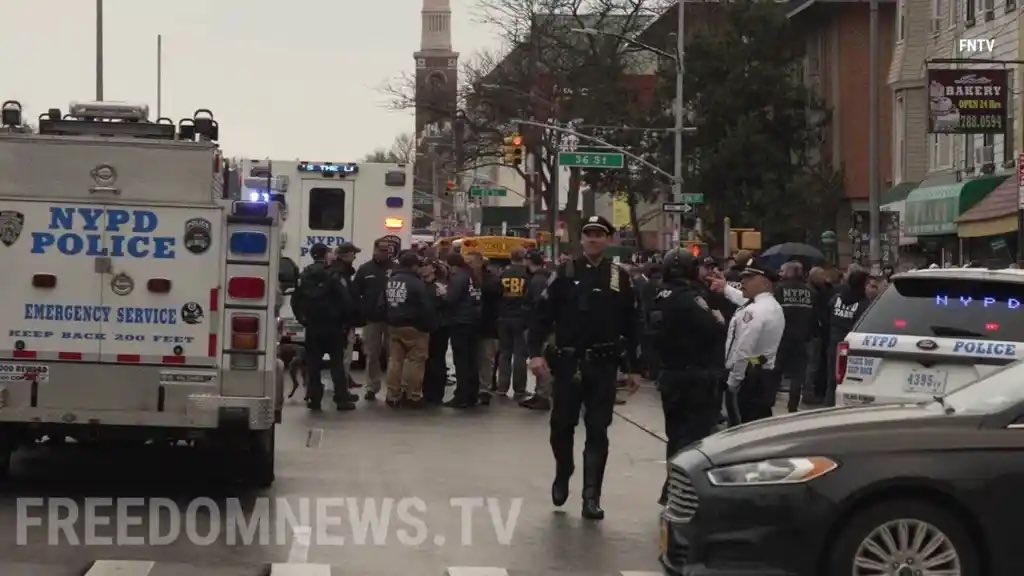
x=294 y=357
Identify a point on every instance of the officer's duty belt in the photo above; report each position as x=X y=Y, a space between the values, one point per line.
x=595 y=352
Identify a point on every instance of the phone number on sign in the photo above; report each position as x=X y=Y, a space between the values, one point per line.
x=984 y=121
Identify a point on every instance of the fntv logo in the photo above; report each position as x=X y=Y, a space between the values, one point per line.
x=978 y=45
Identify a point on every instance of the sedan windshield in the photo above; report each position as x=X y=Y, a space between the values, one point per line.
x=992 y=393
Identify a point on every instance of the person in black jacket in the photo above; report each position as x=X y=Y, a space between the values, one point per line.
x=512 y=315
x=489 y=285
x=344 y=259
x=463 y=301
x=410 y=316
x=538 y=282
x=591 y=306
x=370 y=280
x=820 y=283
x=435 y=377
x=845 y=309
x=322 y=303
x=797 y=300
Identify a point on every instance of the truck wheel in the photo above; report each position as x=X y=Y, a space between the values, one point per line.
x=904 y=536
x=261 y=458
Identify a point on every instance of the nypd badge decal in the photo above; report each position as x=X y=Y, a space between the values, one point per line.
x=11 y=223
x=198 y=235
x=192 y=313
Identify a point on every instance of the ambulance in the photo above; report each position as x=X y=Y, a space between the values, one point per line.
x=330 y=203
x=138 y=300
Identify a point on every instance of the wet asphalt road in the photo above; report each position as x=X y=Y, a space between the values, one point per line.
x=448 y=489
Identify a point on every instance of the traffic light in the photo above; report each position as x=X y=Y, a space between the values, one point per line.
x=512 y=150
x=696 y=247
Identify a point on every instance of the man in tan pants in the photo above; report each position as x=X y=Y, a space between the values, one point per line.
x=410 y=315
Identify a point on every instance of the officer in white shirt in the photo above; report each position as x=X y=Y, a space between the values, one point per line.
x=752 y=345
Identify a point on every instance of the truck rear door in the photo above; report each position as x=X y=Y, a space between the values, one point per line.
x=160 y=284
x=327 y=215
x=51 y=308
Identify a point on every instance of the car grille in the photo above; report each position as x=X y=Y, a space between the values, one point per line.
x=682 y=498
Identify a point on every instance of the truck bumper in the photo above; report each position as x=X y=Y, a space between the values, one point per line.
x=202 y=411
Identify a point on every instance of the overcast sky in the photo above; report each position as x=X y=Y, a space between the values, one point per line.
x=285 y=80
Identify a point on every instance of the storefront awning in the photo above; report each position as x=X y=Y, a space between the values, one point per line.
x=933 y=210
x=996 y=214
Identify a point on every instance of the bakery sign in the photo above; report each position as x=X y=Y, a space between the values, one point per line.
x=967 y=101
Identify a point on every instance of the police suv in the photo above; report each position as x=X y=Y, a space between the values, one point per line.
x=330 y=203
x=931 y=332
x=137 y=300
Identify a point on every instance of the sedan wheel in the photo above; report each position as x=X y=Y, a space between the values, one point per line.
x=904 y=538
x=907 y=547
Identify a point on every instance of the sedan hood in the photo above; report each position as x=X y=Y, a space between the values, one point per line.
x=836 y=430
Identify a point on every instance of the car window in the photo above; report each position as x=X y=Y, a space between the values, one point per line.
x=996 y=391
x=956 y=308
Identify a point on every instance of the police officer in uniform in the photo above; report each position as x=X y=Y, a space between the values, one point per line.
x=590 y=303
x=795 y=296
x=690 y=337
x=752 y=345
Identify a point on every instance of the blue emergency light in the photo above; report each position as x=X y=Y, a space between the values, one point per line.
x=259 y=196
x=395 y=202
x=248 y=243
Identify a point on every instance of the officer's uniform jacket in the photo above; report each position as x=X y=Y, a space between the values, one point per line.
x=755 y=330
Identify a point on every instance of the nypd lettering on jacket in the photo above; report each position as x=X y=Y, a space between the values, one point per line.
x=86 y=313
x=83 y=231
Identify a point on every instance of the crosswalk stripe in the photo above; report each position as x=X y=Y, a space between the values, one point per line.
x=641 y=573
x=121 y=568
x=300 y=569
x=476 y=571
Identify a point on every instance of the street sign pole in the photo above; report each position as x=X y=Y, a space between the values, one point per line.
x=1020 y=210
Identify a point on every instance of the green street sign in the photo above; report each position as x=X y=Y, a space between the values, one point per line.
x=480 y=192
x=591 y=159
x=692 y=198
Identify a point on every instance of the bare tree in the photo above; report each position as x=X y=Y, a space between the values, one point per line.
x=402 y=151
x=546 y=70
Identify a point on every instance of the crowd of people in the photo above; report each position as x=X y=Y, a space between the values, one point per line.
x=411 y=310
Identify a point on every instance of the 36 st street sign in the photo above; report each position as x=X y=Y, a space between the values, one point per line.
x=609 y=160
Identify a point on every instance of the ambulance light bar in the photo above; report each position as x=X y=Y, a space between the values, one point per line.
x=329 y=168
x=110 y=111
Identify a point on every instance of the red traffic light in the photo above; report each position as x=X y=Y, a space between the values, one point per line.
x=517 y=141
x=695 y=250
x=451 y=185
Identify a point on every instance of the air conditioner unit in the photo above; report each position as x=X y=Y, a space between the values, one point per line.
x=984 y=155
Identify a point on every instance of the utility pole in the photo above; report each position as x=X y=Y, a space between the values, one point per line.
x=874 y=246
x=159 y=72
x=99 y=50
x=677 y=185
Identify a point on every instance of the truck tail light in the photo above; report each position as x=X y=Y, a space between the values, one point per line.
x=842 y=355
x=247 y=288
x=245 y=336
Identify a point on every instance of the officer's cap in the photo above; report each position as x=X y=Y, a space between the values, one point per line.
x=348 y=248
x=760 y=269
x=318 y=251
x=598 y=223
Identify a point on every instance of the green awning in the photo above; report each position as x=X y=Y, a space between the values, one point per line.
x=933 y=210
x=898 y=192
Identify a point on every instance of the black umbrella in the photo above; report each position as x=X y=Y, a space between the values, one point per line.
x=806 y=254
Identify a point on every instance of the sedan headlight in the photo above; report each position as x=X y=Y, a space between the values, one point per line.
x=779 y=471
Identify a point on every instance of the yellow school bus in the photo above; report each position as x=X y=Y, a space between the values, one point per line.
x=497 y=249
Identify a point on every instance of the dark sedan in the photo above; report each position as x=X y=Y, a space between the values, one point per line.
x=933 y=489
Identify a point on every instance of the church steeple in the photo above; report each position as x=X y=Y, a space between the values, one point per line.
x=437 y=26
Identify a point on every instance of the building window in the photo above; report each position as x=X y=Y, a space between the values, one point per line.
x=953 y=13
x=936 y=17
x=327 y=209
x=900 y=148
x=969 y=16
x=901 y=19
x=1008 y=134
x=941 y=152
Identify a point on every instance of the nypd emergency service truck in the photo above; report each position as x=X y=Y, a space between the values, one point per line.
x=138 y=301
x=331 y=204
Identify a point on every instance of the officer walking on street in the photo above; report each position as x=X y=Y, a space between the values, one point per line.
x=752 y=345
x=795 y=296
x=590 y=303
x=689 y=335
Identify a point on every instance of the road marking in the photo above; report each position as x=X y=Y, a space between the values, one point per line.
x=640 y=573
x=314 y=437
x=476 y=571
x=120 y=568
x=300 y=569
x=299 y=552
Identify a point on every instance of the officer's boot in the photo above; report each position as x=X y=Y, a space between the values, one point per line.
x=561 y=447
x=594 y=459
